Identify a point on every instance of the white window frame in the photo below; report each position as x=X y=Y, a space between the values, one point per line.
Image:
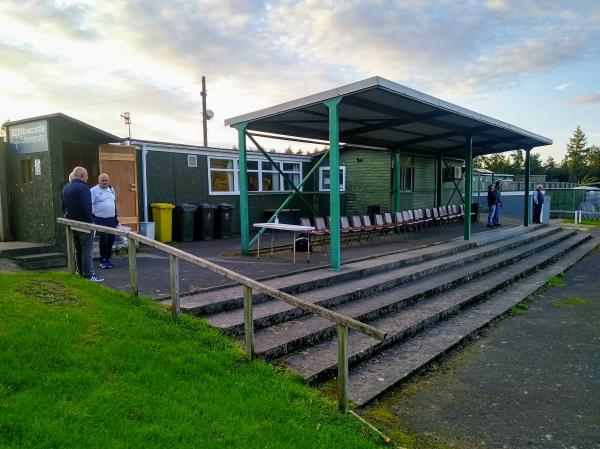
x=192 y=160
x=321 y=177
x=403 y=186
x=236 y=177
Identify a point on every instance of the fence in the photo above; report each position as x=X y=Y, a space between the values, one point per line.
x=248 y=285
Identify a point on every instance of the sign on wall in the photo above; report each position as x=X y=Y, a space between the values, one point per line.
x=29 y=137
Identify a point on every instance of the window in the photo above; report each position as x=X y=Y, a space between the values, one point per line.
x=263 y=176
x=222 y=174
x=407 y=178
x=324 y=179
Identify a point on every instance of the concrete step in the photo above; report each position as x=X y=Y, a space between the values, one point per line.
x=272 y=312
x=278 y=340
x=320 y=361
x=15 y=249
x=220 y=300
x=396 y=365
x=40 y=261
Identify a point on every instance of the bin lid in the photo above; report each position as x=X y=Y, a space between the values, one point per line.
x=207 y=206
x=162 y=206
x=187 y=207
x=225 y=206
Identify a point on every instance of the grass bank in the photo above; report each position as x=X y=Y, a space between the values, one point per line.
x=83 y=366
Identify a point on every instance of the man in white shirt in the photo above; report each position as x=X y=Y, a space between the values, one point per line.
x=104 y=208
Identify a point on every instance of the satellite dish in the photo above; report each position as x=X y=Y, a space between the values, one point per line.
x=209 y=114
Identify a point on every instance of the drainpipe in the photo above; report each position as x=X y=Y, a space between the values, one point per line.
x=144 y=182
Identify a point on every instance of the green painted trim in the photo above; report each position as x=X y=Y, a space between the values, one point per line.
x=397 y=174
x=527 y=181
x=296 y=191
x=334 y=179
x=289 y=198
x=468 y=185
x=243 y=188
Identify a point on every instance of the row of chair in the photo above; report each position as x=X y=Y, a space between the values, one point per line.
x=361 y=228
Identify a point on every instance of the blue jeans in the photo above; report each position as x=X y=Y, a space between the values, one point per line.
x=83 y=253
x=497 y=214
x=492 y=214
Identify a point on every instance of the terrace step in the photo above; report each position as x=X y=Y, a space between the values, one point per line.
x=272 y=312
x=396 y=365
x=40 y=261
x=320 y=361
x=230 y=298
x=278 y=340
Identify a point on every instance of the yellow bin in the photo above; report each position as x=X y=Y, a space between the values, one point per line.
x=162 y=214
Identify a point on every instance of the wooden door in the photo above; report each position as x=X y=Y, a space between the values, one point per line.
x=119 y=162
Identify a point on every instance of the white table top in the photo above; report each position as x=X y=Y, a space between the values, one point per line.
x=284 y=227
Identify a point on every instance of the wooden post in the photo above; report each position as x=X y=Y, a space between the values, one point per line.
x=70 y=248
x=342 y=332
x=175 y=286
x=248 y=322
x=133 y=277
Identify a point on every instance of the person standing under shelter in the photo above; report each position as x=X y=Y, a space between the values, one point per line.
x=104 y=207
x=498 y=190
x=538 y=202
x=492 y=200
x=77 y=205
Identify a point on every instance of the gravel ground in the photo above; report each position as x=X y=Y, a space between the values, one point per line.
x=531 y=380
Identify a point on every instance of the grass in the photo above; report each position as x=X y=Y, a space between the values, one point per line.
x=583 y=222
x=571 y=301
x=82 y=366
x=556 y=281
x=519 y=309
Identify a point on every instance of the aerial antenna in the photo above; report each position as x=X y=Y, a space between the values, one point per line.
x=127 y=117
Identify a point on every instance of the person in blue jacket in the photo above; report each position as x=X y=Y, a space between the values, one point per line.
x=77 y=205
x=538 y=202
x=492 y=201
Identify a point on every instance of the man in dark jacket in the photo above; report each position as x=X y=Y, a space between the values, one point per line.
x=77 y=205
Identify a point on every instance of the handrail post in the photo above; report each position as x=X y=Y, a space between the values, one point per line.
x=248 y=322
x=70 y=253
x=342 y=332
x=133 y=276
x=175 y=308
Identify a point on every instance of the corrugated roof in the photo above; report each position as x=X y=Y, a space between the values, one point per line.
x=378 y=112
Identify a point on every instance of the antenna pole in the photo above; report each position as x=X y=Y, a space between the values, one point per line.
x=204 y=125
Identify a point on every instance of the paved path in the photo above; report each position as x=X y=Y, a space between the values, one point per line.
x=530 y=381
x=153 y=266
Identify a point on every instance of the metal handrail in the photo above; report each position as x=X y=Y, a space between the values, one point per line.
x=343 y=322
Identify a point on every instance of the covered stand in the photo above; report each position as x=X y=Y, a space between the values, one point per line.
x=380 y=114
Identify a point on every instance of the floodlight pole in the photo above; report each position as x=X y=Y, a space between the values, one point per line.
x=468 y=184
x=334 y=181
x=526 y=193
x=243 y=187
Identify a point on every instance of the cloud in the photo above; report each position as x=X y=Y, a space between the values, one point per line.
x=583 y=100
x=563 y=86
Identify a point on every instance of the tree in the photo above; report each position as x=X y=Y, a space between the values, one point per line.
x=536 y=165
x=498 y=163
x=575 y=159
x=593 y=161
x=289 y=150
x=517 y=163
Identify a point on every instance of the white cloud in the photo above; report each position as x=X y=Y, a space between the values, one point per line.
x=563 y=86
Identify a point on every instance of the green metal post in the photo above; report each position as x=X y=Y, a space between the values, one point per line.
x=243 y=180
x=468 y=185
x=526 y=196
x=439 y=181
x=397 y=174
x=334 y=177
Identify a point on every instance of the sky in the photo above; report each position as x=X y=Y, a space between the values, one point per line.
x=533 y=64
